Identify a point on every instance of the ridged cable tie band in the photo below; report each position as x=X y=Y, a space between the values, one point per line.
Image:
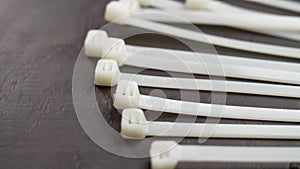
x=135 y=126
x=167 y=154
x=127 y=95
x=107 y=73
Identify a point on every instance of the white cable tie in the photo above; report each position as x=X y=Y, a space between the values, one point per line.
x=167 y=154
x=216 y=5
x=97 y=44
x=283 y=4
x=163 y=4
x=120 y=13
x=127 y=95
x=210 y=58
x=243 y=21
x=221 y=7
x=135 y=126
x=286 y=35
x=215 y=69
x=107 y=73
x=276 y=50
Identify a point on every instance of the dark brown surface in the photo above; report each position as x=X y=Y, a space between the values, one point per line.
x=39 y=43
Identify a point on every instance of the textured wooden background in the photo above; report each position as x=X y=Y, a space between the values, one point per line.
x=39 y=43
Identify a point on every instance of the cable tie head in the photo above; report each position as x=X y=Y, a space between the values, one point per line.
x=134 y=124
x=94 y=43
x=164 y=154
x=122 y=8
x=115 y=49
x=127 y=95
x=97 y=44
x=107 y=73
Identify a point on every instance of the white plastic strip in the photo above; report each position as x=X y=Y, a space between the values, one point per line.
x=107 y=73
x=245 y=21
x=214 y=5
x=216 y=40
x=207 y=18
x=163 y=4
x=220 y=6
x=214 y=85
x=167 y=154
x=286 y=35
x=210 y=5
x=283 y=4
x=135 y=126
x=210 y=58
x=223 y=7
x=215 y=69
x=128 y=96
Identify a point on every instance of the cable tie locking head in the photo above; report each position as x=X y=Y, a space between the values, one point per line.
x=97 y=44
x=115 y=49
x=164 y=154
x=107 y=73
x=94 y=43
x=196 y=4
x=134 y=124
x=118 y=9
x=127 y=95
